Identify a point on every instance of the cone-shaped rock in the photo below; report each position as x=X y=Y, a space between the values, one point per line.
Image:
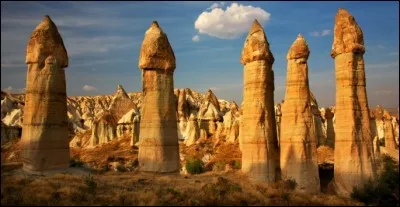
x=298 y=141
x=354 y=159
x=45 y=131
x=258 y=131
x=158 y=148
x=156 y=52
x=121 y=103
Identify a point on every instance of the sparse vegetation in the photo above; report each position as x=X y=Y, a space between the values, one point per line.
x=73 y=162
x=90 y=184
x=237 y=164
x=291 y=183
x=385 y=189
x=194 y=166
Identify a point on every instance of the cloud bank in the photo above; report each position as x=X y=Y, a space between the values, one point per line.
x=230 y=23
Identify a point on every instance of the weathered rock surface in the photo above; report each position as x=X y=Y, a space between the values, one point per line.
x=192 y=131
x=298 y=141
x=158 y=146
x=259 y=145
x=353 y=135
x=390 y=141
x=45 y=131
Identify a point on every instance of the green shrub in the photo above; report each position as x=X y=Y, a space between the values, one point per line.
x=90 y=184
x=238 y=164
x=382 y=191
x=120 y=168
x=194 y=166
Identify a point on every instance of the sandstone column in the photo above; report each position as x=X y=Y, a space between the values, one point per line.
x=158 y=148
x=354 y=160
x=390 y=142
x=45 y=131
x=259 y=145
x=298 y=140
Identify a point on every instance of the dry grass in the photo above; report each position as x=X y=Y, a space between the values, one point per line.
x=134 y=188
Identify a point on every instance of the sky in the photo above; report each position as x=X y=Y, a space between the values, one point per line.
x=103 y=41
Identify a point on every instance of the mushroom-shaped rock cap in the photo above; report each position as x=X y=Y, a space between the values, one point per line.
x=46 y=42
x=210 y=96
x=348 y=36
x=256 y=46
x=299 y=49
x=156 y=52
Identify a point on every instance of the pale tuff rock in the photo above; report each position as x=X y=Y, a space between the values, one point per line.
x=259 y=145
x=390 y=141
x=121 y=103
x=298 y=141
x=219 y=133
x=45 y=131
x=375 y=138
x=14 y=118
x=353 y=135
x=329 y=131
x=192 y=131
x=104 y=129
x=231 y=124
x=182 y=108
x=135 y=130
x=126 y=124
x=182 y=124
x=278 y=119
x=209 y=113
x=395 y=130
x=379 y=122
x=158 y=148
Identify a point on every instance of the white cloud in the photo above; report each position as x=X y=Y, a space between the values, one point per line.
x=196 y=38
x=230 y=23
x=8 y=89
x=89 y=88
x=322 y=33
x=216 y=5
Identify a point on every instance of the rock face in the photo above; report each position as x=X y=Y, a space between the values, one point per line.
x=278 y=119
x=327 y=115
x=353 y=135
x=158 y=146
x=192 y=131
x=121 y=103
x=390 y=141
x=45 y=130
x=231 y=123
x=259 y=145
x=298 y=141
x=209 y=113
x=104 y=129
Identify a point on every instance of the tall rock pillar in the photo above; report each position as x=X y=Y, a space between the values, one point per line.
x=259 y=144
x=298 y=140
x=354 y=159
x=158 y=148
x=45 y=125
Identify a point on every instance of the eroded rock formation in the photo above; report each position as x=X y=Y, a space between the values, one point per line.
x=353 y=135
x=158 y=146
x=45 y=125
x=298 y=140
x=259 y=144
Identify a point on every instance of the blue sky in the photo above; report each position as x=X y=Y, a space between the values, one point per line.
x=103 y=40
